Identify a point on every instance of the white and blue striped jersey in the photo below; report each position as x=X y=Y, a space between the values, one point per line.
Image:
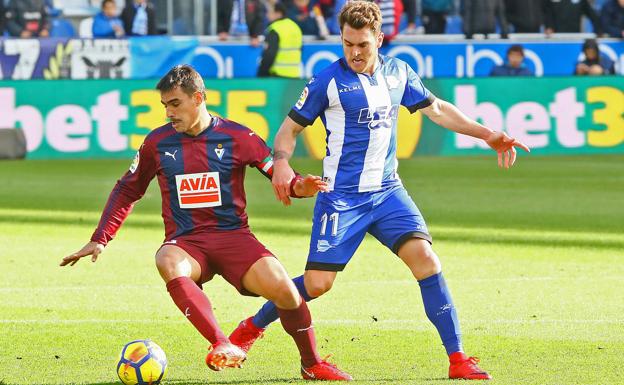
x=360 y=116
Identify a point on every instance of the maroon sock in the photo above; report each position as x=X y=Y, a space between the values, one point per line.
x=298 y=323
x=194 y=304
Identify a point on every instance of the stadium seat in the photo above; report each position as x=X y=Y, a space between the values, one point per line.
x=182 y=28
x=454 y=25
x=85 y=28
x=62 y=28
x=599 y=3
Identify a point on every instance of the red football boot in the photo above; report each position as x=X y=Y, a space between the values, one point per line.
x=245 y=334
x=464 y=367
x=324 y=371
x=225 y=355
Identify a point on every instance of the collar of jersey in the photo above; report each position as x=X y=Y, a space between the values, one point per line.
x=213 y=122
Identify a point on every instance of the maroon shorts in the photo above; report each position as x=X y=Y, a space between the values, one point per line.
x=227 y=253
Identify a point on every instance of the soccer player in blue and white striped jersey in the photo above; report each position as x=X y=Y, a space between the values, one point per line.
x=357 y=99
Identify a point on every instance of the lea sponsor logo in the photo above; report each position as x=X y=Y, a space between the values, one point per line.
x=199 y=190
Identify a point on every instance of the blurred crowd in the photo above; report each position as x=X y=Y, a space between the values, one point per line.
x=265 y=18
x=40 y=18
x=320 y=17
x=119 y=18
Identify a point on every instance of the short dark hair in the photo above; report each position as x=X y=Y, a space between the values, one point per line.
x=280 y=7
x=590 y=44
x=516 y=48
x=183 y=76
x=107 y=1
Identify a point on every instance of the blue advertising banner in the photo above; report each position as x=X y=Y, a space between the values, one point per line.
x=432 y=60
x=61 y=58
x=152 y=57
x=22 y=59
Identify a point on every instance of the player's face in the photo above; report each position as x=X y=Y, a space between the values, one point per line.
x=360 y=48
x=182 y=109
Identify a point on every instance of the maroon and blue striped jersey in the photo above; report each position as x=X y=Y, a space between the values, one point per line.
x=200 y=178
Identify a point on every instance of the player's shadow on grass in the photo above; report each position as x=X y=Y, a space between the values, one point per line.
x=529 y=241
x=211 y=381
x=292 y=380
x=284 y=227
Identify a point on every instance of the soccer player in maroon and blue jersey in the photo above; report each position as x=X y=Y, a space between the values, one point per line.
x=199 y=161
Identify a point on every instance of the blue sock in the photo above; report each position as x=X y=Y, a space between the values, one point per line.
x=268 y=312
x=441 y=311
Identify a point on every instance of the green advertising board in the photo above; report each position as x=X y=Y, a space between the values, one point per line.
x=568 y=115
x=110 y=118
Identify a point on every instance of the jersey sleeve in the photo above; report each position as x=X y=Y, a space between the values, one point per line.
x=256 y=153
x=415 y=96
x=129 y=189
x=312 y=102
x=261 y=157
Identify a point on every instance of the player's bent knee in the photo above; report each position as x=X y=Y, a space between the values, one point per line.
x=429 y=264
x=171 y=266
x=427 y=270
x=420 y=258
x=285 y=295
x=318 y=288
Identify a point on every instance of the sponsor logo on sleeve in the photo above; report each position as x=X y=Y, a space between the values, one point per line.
x=198 y=190
x=302 y=98
x=135 y=163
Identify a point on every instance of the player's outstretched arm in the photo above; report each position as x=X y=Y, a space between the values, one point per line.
x=309 y=186
x=92 y=248
x=284 y=147
x=448 y=116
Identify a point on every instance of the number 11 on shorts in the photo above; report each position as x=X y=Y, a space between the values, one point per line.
x=334 y=219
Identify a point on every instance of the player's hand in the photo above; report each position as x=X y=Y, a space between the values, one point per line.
x=92 y=248
x=310 y=185
x=505 y=146
x=282 y=175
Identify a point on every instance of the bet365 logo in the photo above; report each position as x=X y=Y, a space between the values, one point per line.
x=380 y=117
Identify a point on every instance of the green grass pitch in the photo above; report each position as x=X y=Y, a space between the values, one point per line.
x=534 y=257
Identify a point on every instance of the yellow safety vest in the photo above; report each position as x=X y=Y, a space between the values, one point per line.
x=288 y=59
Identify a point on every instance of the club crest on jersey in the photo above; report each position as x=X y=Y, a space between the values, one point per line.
x=380 y=117
x=219 y=151
x=302 y=98
x=135 y=163
x=392 y=82
x=198 y=190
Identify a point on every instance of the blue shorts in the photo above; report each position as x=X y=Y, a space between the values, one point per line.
x=342 y=219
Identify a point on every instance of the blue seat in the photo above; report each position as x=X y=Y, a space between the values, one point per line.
x=454 y=25
x=62 y=28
